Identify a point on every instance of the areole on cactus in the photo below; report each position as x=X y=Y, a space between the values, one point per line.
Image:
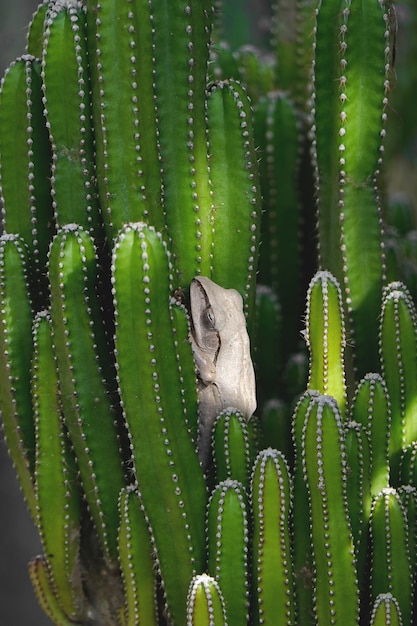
x=132 y=160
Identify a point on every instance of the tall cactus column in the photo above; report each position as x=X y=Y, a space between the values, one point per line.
x=350 y=100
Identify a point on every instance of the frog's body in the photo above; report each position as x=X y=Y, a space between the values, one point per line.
x=221 y=349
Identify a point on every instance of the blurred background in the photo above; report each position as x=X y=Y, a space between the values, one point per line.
x=18 y=539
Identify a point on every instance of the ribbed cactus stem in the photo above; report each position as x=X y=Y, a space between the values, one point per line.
x=385 y=611
x=325 y=471
x=39 y=576
x=371 y=407
x=227 y=540
x=272 y=499
x=16 y=347
x=359 y=497
x=58 y=491
x=123 y=97
x=235 y=194
x=83 y=361
x=351 y=84
x=231 y=452
x=398 y=349
x=205 y=604
x=325 y=337
x=390 y=567
x=136 y=562
x=25 y=165
x=66 y=85
x=180 y=52
x=150 y=387
x=303 y=553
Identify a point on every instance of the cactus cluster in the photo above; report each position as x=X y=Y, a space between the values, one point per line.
x=137 y=151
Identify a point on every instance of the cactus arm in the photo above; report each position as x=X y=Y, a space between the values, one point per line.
x=235 y=190
x=205 y=604
x=16 y=347
x=136 y=562
x=390 y=566
x=227 y=540
x=385 y=611
x=230 y=445
x=324 y=462
x=325 y=337
x=358 y=482
x=57 y=488
x=350 y=98
x=408 y=496
x=325 y=107
x=181 y=33
x=398 y=349
x=68 y=112
x=303 y=557
x=371 y=407
x=150 y=390
x=363 y=93
x=36 y=30
x=181 y=327
x=80 y=345
x=25 y=164
x=39 y=575
x=127 y=159
x=271 y=497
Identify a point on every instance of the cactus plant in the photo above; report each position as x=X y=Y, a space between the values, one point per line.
x=132 y=161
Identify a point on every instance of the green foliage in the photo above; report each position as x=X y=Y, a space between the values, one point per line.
x=131 y=160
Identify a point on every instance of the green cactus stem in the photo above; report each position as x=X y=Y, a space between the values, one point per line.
x=398 y=349
x=57 y=489
x=36 y=30
x=385 y=611
x=150 y=388
x=205 y=604
x=231 y=450
x=408 y=465
x=273 y=576
x=408 y=496
x=68 y=112
x=358 y=456
x=303 y=556
x=336 y=594
x=371 y=407
x=136 y=562
x=82 y=357
x=39 y=576
x=227 y=540
x=350 y=99
x=25 y=165
x=235 y=193
x=125 y=124
x=16 y=347
x=390 y=567
x=325 y=337
x=180 y=53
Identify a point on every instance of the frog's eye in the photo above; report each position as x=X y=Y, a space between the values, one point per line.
x=208 y=318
